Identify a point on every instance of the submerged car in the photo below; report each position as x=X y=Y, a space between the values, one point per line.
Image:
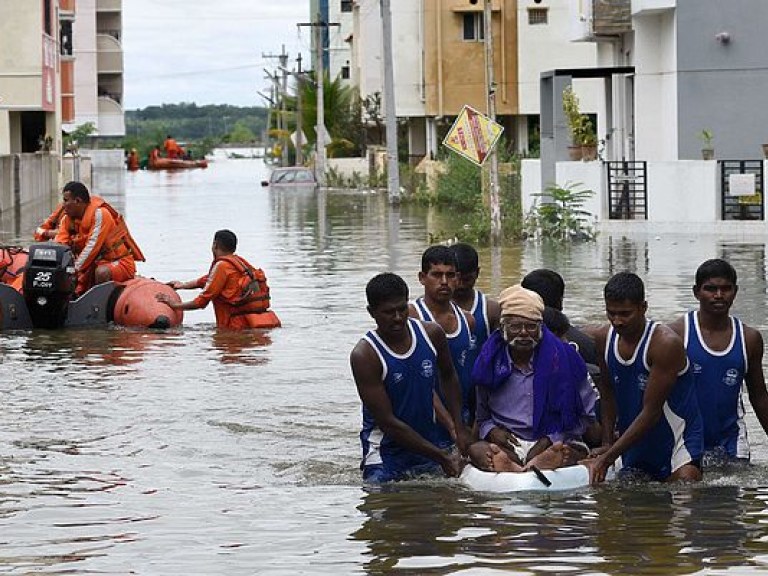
x=295 y=176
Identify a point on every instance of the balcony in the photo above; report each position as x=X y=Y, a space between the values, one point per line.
x=595 y=20
x=111 y=117
x=109 y=5
x=651 y=7
x=109 y=55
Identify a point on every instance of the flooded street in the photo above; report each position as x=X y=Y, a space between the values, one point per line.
x=197 y=452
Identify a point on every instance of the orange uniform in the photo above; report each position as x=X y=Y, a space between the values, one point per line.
x=47 y=230
x=101 y=237
x=172 y=149
x=133 y=161
x=224 y=286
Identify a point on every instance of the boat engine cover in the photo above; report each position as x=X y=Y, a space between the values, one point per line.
x=49 y=283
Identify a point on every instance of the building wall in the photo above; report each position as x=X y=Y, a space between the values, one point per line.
x=455 y=68
x=86 y=67
x=21 y=54
x=722 y=86
x=339 y=51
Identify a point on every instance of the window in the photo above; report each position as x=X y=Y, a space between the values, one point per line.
x=538 y=16
x=65 y=32
x=346 y=5
x=473 y=26
x=345 y=72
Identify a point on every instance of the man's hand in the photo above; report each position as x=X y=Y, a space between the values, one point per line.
x=541 y=445
x=175 y=284
x=463 y=439
x=165 y=299
x=598 y=467
x=505 y=440
x=452 y=464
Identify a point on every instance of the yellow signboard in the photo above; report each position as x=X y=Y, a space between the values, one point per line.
x=473 y=135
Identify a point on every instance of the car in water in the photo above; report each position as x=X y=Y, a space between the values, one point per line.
x=295 y=176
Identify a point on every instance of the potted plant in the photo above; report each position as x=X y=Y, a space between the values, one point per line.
x=575 y=122
x=588 y=141
x=708 y=151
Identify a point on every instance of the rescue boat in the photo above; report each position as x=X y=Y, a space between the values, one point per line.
x=176 y=164
x=49 y=282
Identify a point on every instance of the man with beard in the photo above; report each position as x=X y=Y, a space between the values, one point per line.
x=534 y=397
x=725 y=354
x=648 y=383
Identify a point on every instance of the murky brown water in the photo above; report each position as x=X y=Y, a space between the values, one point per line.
x=197 y=452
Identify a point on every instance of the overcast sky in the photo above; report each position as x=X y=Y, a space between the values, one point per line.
x=208 y=52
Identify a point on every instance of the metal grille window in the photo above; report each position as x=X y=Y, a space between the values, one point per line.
x=473 y=26
x=538 y=16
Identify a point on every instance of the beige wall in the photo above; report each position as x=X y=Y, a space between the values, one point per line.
x=455 y=68
x=21 y=50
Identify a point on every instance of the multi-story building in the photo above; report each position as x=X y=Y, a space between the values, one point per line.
x=439 y=62
x=96 y=54
x=29 y=76
x=335 y=46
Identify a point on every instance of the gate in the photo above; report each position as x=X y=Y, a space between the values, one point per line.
x=627 y=190
x=737 y=204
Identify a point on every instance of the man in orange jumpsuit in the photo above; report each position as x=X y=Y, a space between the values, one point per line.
x=101 y=243
x=172 y=148
x=239 y=291
x=50 y=226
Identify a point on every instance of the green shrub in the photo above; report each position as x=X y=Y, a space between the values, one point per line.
x=559 y=214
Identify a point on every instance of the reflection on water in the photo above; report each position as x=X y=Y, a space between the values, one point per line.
x=198 y=451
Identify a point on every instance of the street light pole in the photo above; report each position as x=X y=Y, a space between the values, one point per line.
x=490 y=86
x=393 y=170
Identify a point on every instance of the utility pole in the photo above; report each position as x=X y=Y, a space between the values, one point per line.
x=299 y=115
x=490 y=86
x=281 y=92
x=319 y=26
x=393 y=170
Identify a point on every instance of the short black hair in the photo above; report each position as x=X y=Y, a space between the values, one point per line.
x=715 y=268
x=226 y=239
x=385 y=287
x=77 y=190
x=437 y=254
x=548 y=284
x=556 y=321
x=467 y=260
x=624 y=286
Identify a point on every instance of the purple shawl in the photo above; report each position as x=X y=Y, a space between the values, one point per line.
x=558 y=373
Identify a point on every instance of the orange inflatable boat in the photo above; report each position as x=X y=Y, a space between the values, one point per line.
x=137 y=306
x=12 y=261
x=175 y=164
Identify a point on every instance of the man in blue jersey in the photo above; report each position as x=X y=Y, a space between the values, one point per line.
x=648 y=384
x=397 y=369
x=725 y=353
x=439 y=278
x=484 y=310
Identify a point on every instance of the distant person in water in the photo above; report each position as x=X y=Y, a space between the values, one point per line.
x=398 y=367
x=239 y=292
x=726 y=354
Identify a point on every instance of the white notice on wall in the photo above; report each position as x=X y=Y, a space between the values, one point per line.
x=741 y=185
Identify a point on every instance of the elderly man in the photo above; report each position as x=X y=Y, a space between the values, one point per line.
x=534 y=395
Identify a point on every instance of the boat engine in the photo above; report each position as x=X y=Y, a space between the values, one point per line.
x=49 y=284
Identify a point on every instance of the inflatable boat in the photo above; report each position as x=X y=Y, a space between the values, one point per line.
x=176 y=164
x=559 y=480
x=46 y=298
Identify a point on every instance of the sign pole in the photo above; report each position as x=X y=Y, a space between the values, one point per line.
x=490 y=86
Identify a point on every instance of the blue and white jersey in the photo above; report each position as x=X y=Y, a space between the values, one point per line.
x=479 y=312
x=677 y=438
x=410 y=380
x=463 y=347
x=719 y=378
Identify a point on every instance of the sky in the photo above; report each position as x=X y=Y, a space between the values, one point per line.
x=208 y=52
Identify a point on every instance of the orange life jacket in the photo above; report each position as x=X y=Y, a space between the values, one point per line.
x=254 y=290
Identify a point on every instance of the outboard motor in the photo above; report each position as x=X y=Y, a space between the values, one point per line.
x=49 y=283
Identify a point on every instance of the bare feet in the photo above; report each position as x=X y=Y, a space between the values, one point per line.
x=491 y=458
x=553 y=457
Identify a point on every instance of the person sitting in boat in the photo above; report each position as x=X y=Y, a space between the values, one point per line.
x=132 y=161
x=153 y=156
x=172 y=148
x=534 y=395
x=239 y=291
x=98 y=235
x=398 y=367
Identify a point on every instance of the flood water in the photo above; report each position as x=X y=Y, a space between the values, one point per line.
x=197 y=452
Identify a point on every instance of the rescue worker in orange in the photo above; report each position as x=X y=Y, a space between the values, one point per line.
x=239 y=291
x=172 y=148
x=98 y=235
x=133 y=160
x=153 y=156
x=50 y=226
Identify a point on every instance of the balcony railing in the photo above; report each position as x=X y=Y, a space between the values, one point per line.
x=109 y=5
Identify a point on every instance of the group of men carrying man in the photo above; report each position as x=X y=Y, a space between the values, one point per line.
x=454 y=376
x=104 y=251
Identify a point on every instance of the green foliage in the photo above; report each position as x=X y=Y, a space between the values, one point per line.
x=706 y=136
x=559 y=215
x=78 y=136
x=581 y=127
